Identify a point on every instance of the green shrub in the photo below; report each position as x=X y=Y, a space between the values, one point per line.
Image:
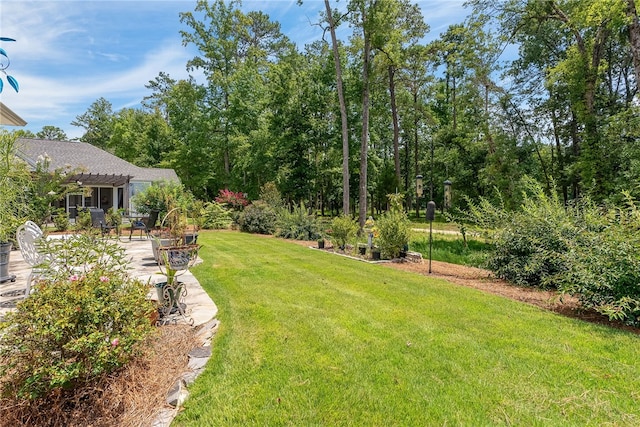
x=343 y=230
x=298 y=224
x=77 y=324
x=216 y=216
x=83 y=220
x=530 y=244
x=393 y=229
x=258 y=218
x=61 y=220
x=270 y=194
x=162 y=197
x=604 y=262
x=113 y=216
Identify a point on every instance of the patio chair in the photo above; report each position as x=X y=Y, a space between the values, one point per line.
x=27 y=236
x=146 y=224
x=98 y=220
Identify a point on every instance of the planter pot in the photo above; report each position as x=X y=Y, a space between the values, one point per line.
x=5 y=251
x=320 y=244
x=362 y=249
x=190 y=238
x=178 y=257
x=158 y=242
x=169 y=298
x=375 y=255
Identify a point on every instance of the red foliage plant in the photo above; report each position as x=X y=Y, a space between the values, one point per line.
x=233 y=200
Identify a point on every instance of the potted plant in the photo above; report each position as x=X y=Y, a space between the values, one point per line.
x=174 y=261
x=175 y=254
x=15 y=183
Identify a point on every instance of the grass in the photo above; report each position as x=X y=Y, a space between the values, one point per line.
x=314 y=339
x=451 y=248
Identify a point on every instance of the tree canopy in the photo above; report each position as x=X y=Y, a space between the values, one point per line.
x=562 y=111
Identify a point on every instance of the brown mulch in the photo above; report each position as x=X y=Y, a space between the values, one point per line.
x=133 y=396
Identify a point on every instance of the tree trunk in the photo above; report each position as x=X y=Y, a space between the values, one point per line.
x=396 y=128
x=634 y=37
x=343 y=111
x=415 y=146
x=364 y=146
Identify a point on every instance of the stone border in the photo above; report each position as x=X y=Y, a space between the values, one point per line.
x=198 y=358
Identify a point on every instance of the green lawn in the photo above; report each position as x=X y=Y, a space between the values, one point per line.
x=308 y=338
x=451 y=248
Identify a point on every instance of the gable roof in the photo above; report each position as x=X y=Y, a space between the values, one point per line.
x=8 y=117
x=89 y=158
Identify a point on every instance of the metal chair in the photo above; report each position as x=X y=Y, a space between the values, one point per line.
x=146 y=224
x=27 y=236
x=98 y=220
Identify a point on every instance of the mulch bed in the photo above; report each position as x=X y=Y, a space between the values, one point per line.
x=133 y=396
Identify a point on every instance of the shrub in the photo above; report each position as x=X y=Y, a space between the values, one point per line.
x=298 y=224
x=114 y=216
x=530 y=244
x=270 y=194
x=604 y=264
x=74 y=327
x=61 y=220
x=393 y=229
x=258 y=218
x=161 y=197
x=83 y=220
x=343 y=230
x=216 y=216
x=233 y=200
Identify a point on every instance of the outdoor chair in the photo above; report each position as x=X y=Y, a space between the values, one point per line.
x=98 y=220
x=146 y=224
x=27 y=236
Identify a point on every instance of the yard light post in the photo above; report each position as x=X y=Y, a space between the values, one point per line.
x=419 y=191
x=431 y=214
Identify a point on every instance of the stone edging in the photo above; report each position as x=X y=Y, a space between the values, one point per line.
x=198 y=358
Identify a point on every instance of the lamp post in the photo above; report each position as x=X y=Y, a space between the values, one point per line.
x=419 y=191
x=431 y=214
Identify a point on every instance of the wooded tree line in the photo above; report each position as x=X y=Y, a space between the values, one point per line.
x=564 y=111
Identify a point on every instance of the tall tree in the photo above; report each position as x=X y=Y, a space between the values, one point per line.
x=399 y=28
x=53 y=133
x=234 y=52
x=97 y=122
x=343 y=109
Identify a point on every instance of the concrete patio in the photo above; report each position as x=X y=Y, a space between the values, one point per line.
x=199 y=306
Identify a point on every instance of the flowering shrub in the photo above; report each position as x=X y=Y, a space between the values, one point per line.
x=78 y=324
x=233 y=200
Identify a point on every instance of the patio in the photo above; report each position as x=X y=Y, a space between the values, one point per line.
x=143 y=266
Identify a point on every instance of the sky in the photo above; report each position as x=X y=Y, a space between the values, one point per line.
x=68 y=54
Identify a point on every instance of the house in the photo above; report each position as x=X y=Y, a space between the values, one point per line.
x=9 y=118
x=106 y=180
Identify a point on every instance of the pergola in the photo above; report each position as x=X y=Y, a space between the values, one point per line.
x=97 y=179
